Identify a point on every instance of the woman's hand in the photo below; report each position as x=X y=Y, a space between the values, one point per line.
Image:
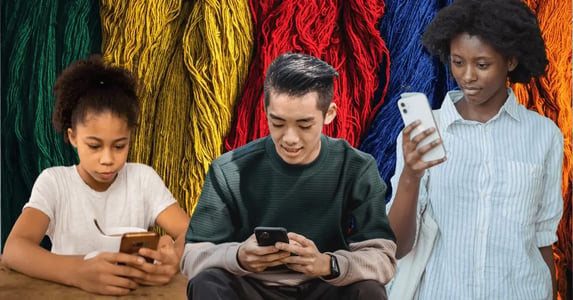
x=414 y=166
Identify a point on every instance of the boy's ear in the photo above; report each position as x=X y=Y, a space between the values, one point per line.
x=72 y=137
x=512 y=63
x=330 y=113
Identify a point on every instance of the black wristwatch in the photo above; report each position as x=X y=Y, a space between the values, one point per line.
x=334 y=271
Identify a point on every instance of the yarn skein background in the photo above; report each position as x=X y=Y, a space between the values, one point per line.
x=201 y=65
x=342 y=33
x=39 y=39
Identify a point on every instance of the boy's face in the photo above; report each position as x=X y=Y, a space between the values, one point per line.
x=102 y=141
x=480 y=71
x=295 y=124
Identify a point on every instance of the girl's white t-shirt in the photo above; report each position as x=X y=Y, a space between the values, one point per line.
x=136 y=197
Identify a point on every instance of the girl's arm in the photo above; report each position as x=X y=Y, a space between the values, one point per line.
x=175 y=222
x=102 y=274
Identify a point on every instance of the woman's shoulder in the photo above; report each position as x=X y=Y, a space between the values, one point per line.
x=538 y=122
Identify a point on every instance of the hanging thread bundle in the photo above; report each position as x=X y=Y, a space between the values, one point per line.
x=411 y=69
x=339 y=32
x=218 y=68
x=144 y=37
x=39 y=38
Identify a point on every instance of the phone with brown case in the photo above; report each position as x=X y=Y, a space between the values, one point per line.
x=133 y=241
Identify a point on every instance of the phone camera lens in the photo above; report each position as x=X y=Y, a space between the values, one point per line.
x=402 y=104
x=265 y=235
x=405 y=111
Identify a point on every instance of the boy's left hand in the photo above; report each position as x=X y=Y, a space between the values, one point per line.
x=307 y=259
x=166 y=263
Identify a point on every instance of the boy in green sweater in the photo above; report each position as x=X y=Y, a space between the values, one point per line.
x=327 y=194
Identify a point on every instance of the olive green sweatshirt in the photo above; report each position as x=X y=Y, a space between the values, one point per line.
x=335 y=201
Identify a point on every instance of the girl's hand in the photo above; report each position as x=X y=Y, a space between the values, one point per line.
x=165 y=266
x=109 y=273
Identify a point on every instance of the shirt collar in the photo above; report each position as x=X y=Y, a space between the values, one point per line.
x=511 y=106
x=449 y=113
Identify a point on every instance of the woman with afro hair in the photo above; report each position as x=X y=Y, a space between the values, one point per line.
x=496 y=197
x=96 y=110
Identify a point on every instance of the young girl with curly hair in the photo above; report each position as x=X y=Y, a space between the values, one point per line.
x=96 y=110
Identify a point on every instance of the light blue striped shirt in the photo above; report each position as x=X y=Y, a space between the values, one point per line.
x=497 y=200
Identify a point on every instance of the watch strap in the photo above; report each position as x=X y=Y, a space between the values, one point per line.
x=334 y=270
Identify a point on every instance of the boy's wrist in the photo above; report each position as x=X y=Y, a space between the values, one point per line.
x=333 y=268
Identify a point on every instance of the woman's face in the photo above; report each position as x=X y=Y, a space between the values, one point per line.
x=102 y=141
x=480 y=71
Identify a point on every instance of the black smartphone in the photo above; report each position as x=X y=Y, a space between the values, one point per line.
x=268 y=236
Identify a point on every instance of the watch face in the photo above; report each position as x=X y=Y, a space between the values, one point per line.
x=334 y=272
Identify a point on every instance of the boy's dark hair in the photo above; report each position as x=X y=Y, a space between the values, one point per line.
x=509 y=26
x=297 y=74
x=91 y=85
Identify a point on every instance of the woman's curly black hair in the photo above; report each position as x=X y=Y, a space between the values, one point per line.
x=509 y=26
x=89 y=85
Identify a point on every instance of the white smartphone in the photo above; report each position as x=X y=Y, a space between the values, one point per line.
x=415 y=106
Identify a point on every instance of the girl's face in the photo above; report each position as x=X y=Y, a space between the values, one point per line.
x=102 y=142
x=480 y=71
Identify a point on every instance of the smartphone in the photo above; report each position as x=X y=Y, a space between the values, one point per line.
x=268 y=236
x=131 y=242
x=415 y=106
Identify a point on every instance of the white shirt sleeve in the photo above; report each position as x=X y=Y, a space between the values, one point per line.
x=44 y=196
x=157 y=195
x=551 y=207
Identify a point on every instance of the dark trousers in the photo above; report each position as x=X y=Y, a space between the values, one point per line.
x=214 y=283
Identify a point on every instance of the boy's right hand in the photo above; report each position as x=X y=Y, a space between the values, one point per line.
x=255 y=258
x=109 y=273
x=414 y=166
